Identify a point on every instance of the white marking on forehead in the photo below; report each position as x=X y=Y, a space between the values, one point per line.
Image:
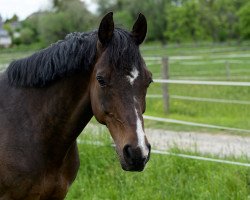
x=133 y=75
x=141 y=135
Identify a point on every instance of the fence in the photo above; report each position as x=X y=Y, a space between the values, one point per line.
x=99 y=143
x=166 y=96
x=165 y=76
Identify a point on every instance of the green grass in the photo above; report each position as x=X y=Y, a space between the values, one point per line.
x=168 y=177
x=209 y=62
x=223 y=114
x=8 y=56
x=165 y=177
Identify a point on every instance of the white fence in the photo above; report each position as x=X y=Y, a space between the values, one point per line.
x=223 y=83
x=191 y=98
x=175 y=121
x=157 y=60
x=99 y=143
x=166 y=95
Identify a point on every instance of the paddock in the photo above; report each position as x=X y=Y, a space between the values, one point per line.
x=213 y=109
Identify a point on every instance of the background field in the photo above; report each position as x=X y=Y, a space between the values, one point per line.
x=204 y=62
x=165 y=177
x=205 y=41
x=169 y=177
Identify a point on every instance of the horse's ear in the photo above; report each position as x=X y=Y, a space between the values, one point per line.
x=106 y=29
x=139 y=30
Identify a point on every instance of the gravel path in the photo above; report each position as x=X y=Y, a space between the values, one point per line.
x=205 y=143
x=217 y=144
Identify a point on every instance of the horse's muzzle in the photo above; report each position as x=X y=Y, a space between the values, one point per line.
x=135 y=158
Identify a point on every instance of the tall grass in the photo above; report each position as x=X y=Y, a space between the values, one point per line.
x=165 y=177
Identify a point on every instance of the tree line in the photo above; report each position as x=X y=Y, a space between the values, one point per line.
x=168 y=20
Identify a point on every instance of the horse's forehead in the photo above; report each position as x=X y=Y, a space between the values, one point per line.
x=133 y=75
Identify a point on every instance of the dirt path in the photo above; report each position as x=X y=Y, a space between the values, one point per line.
x=204 y=143
x=217 y=144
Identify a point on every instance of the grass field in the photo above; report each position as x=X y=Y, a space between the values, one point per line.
x=168 y=177
x=223 y=62
x=165 y=177
x=210 y=63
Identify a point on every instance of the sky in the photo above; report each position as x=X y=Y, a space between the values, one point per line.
x=23 y=8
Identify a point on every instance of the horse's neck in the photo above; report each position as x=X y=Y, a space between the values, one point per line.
x=66 y=111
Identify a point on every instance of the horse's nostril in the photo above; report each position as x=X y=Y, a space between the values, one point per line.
x=144 y=160
x=127 y=151
x=149 y=147
x=134 y=156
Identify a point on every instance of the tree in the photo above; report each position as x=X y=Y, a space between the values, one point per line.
x=14 y=18
x=26 y=36
x=127 y=11
x=183 y=22
x=124 y=19
x=244 y=21
x=70 y=16
x=105 y=6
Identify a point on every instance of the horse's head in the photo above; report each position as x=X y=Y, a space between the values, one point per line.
x=118 y=89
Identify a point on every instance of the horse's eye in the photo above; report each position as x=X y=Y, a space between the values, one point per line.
x=101 y=80
x=150 y=81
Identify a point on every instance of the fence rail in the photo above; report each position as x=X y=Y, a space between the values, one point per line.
x=199 y=57
x=201 y=158
x=175 y=121
x=222 y=83
x=201 y=99
x=98 y=143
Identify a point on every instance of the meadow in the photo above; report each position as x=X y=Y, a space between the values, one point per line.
x=203 y=61
x=164 y=178
x=169 y=177
x=222 y=62
x=210 y=62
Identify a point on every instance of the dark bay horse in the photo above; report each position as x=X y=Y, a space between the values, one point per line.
x=47 y=99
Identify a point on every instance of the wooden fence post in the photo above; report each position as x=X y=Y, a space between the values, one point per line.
x=228 y=70
x=165 y=75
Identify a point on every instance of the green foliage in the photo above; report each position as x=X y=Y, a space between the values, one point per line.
x=244 y=21
x=50 y=26
x=33 y=23
x=124 y=19
x=168 y=20
x=14 y=18
x=26 y=36
x=183 y=23
x=182 y=20
x=72 y=16
x=54 y=26
x=7 y=27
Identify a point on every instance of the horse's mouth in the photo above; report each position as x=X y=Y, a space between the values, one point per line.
x=134 y=167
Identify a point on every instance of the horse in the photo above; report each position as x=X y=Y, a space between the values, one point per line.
x=48 y=98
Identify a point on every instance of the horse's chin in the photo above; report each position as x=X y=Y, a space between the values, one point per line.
x=132 y=168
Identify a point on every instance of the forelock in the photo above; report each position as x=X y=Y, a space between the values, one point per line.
x=122 y=51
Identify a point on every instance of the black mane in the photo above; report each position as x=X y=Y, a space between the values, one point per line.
x=75 y=53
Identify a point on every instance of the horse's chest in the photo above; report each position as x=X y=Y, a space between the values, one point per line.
x=44 y=184
x=54 y=185
x=55 y=182
x=50 y=186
